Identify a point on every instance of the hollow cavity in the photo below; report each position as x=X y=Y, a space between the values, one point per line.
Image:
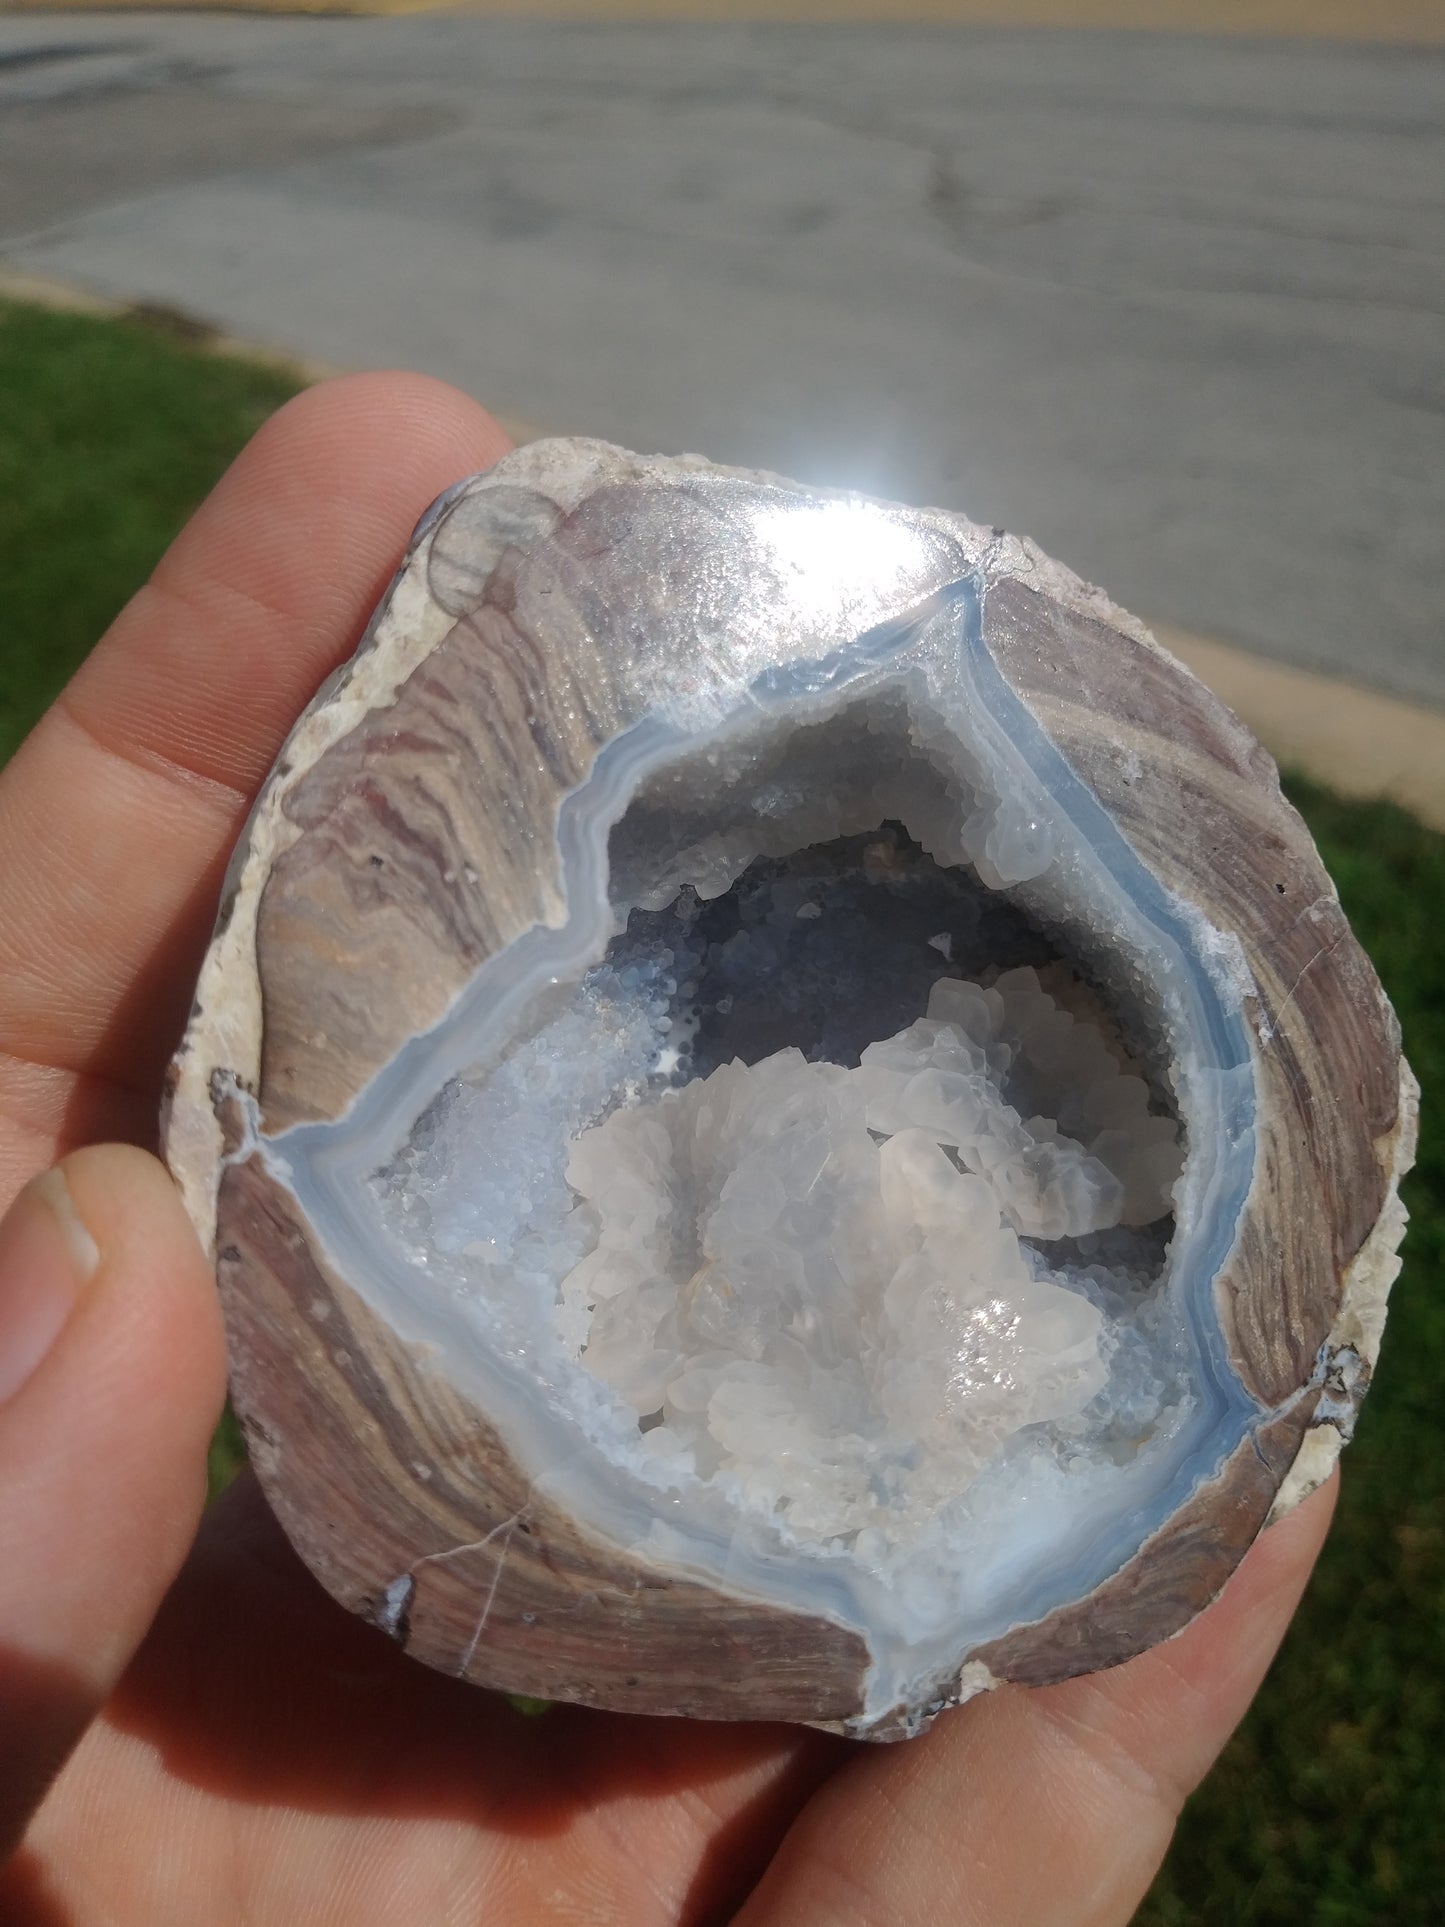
x=788 y=1166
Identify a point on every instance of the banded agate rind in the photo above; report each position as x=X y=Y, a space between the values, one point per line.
x=429 y=865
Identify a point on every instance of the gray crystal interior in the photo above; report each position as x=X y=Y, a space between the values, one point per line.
x=722 y=1157
x=605 y=1155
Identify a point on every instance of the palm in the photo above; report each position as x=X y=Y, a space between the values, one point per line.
x=334 y=1780
x=265 y=1757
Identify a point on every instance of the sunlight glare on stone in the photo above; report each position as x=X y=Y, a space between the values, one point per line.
x=846 y=554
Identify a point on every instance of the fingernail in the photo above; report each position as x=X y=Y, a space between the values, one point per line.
x=47 y=1257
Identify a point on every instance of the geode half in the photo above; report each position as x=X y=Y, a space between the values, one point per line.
x=790 y=1122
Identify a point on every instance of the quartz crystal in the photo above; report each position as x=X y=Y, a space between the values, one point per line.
x=812 y=1277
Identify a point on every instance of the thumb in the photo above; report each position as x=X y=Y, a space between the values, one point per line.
x=111 y=1378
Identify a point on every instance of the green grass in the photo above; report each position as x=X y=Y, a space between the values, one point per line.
x=110 y=433
x=226 y=1456
x=1328 y=1806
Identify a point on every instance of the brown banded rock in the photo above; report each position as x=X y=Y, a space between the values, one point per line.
x=790 y=1122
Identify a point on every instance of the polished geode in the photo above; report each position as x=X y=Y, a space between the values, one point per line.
x=790 y=1122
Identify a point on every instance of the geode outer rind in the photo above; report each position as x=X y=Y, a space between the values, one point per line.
x=408 y=835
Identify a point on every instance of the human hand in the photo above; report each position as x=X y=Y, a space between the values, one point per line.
x=242 y=1748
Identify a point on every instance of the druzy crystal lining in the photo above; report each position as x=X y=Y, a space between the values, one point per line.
x=859 y=1324
x=1050 y=1512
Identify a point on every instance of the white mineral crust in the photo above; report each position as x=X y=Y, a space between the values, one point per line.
x=810 y=1278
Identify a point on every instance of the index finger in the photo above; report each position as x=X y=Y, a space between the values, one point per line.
x=117 y=813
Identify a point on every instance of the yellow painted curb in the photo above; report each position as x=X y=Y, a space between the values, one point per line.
x=1410 y=21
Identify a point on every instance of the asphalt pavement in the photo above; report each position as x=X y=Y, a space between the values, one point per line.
x=1174 y=306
